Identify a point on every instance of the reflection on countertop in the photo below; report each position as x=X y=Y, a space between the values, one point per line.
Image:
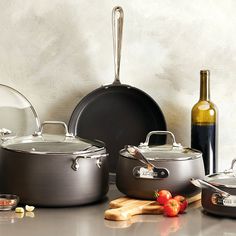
x=89 y=220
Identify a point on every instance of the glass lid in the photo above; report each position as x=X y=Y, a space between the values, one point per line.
x=164 y=152
x=18 y=117
x=41 y=143
x=224 y=179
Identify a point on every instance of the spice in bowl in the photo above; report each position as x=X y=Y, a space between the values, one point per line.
x=8 y=201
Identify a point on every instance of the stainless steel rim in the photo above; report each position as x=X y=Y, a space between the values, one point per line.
x=163 y=159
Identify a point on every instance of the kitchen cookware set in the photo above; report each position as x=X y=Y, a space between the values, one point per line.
x=73 y=168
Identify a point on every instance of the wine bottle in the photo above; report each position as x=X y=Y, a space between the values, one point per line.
x=204 y=125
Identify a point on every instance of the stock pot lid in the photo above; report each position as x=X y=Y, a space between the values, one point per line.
x=40 y=143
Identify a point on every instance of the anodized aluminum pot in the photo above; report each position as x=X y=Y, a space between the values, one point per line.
x=168 y=167
x=54 y=170
x=219 y=192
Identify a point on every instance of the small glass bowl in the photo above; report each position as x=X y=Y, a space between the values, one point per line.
x=8 y=201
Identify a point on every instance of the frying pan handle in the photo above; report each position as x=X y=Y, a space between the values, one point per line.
x=117 y=30
x=146 y=143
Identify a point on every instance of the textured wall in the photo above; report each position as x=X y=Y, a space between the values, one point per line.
x=57 y=51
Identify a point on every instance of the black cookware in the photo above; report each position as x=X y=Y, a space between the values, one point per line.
x=219 y=192
x=144 y=169
x=117 y=113
x=53 y=170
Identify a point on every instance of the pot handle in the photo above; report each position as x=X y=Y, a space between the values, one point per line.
x=40 y=132
x=75 y=163
x=205 y=184
x=152 y=171
x=174 y=144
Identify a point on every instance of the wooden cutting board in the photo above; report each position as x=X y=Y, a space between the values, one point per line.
x=124 y=208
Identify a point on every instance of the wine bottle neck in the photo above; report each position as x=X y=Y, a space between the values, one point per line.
x=205 y=85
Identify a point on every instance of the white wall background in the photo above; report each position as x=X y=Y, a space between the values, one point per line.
x=57 y=51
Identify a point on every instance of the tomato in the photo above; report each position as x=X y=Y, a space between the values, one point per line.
x=183 y=203
x=163 y=196
x=172 y=207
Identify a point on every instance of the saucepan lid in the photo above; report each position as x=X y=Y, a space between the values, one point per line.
x=42 y=143
x=226 y=178
x=167 y=152
x=18 y=116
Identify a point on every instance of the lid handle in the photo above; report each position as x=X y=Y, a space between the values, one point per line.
x=4 y=131
x=146 y=143
x=40 y=132
x=233 y=163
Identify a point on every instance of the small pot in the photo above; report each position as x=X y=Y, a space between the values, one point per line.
x=54 y=170
x=147 y=168
x=219 y=192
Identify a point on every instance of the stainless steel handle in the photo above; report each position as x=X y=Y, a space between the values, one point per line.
x=205 y=184
x=152 y=171
x=231 y=170
x=146 y=143
x=40 y=132
x=4 y=131
x=117 y=30
x=233 y=164
x=132 y=150
x=218 y=199
x=75 y=163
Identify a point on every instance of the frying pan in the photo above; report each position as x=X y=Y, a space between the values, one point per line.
x=117 y=114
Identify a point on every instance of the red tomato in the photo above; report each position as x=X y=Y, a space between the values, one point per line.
x=171 y=207
x=183 y=203
x=163 y=196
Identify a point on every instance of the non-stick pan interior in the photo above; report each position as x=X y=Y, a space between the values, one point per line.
x=117 y=115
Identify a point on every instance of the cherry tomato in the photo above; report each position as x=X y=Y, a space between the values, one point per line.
x=171 y=207
x=183 y=203
x=163 y=196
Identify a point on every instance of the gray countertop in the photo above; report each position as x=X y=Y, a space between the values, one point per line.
x=88 y=220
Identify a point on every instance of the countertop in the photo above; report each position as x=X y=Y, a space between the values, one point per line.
x=88 y=220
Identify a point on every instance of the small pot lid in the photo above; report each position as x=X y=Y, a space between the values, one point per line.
x=224 y=179
x=40 y=143
x=174 y=152
x=18 y=116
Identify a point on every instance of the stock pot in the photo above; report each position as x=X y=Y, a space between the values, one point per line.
x=54 y=170
x=146 y=168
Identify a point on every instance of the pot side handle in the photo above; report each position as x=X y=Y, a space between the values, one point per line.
x=75 y=163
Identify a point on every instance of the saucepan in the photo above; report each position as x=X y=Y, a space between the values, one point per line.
x=142 y=170
x=219 y=192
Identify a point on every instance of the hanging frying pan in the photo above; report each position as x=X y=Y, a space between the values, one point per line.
x=117 y=113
